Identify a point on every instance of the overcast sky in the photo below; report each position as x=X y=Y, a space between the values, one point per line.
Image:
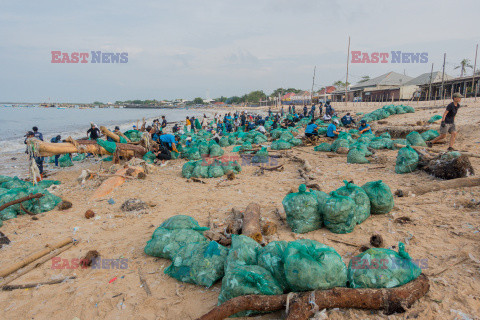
x=184 y=49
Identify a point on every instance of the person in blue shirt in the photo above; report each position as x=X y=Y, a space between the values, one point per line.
x=37 y=134
x=312 y=129
x=305 y=110
x=347 y=120
x=56 y=139
x=364 y=127
x=332 y=129
x=312 y=111
x=169 y=141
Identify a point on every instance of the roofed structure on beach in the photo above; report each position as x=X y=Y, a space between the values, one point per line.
x=390 y=79
x=425 y=78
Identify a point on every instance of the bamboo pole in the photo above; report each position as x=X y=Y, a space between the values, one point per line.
x=48 y=248
x=473 y=75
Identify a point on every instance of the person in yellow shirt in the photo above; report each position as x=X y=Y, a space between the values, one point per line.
x=187 y=122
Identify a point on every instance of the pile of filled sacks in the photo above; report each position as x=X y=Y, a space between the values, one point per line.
x=284 y=139
x=386 y=111
x=209 y=168
x=340 y=210
x=14 y=188
x=280 y=267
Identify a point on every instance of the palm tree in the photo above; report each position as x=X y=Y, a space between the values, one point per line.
x=464 y=64
x=364 y=79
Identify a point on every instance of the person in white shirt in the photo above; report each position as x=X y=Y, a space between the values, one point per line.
x=261 y=129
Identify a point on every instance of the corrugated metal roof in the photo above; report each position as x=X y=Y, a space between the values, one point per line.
x=387 y=79
x=425 y=78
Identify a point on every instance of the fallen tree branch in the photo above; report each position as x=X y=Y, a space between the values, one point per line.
x=144 y=283
x=34 y=285
x=20 y=200
x=390 y=300
x=282 y=218
x=441 y=185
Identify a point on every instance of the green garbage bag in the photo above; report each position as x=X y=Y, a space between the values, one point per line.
x=260 y=138
x=380 y=195
x=415 y=139
x=44 y=204
x=323 y=147
x=14 y=210
x=181 y=221
x=216 y=150
x=203 y=148
x=407 y=160
x=246 y=146
x=286 y=135
x=198 y=126
x=356 y=155
x=109 y=158
x=4 y=179
x=201 y=170
x=261 y=156
x=435 y=118
x=193 y=154
x=399 y=110
x=302 y=211
x=382 y=268
x=65 y=161
x=381 y=143
x=243 y=251
x=165 y=243
x=3 y=190
x=311 y=265
x=280 y=144
x=45 y=184
x=215 y=170
x=123 y=140
x=224 y=141
x=133 y=135
x=270 y=257
x=149 y=157
x=110 y=146
x=429 y=135
x=360 y=197
x=295 y=142
x=386 y=135
x=247 y=280
x=201 y=263
x=339 y=143
x=79 y=157
x=339 y=213
x=408 y=109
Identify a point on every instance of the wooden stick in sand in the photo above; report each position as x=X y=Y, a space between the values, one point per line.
x=34 y=285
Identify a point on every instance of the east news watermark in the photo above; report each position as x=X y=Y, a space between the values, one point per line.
x=389 y=57
x=96 y=263
x=89 y=57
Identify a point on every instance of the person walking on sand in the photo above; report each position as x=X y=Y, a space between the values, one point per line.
x=448 y=122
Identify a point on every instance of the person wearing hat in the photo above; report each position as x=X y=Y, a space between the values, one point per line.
x=448 y=122
x=332 y=129
x=364 y=127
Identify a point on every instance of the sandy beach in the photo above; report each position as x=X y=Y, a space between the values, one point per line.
x=444 y=230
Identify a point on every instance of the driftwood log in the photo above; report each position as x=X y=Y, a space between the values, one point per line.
x=441 y=185
x=116 y=180
x=46 y=149
x=401 y=131
x=447 y=169
x=29 y=197
x=251 y=222
x=303 y=305
x=109 y=134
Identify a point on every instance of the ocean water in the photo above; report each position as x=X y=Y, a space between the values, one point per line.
x=74 y=122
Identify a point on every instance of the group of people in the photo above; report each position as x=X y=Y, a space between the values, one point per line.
x=332 y=129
